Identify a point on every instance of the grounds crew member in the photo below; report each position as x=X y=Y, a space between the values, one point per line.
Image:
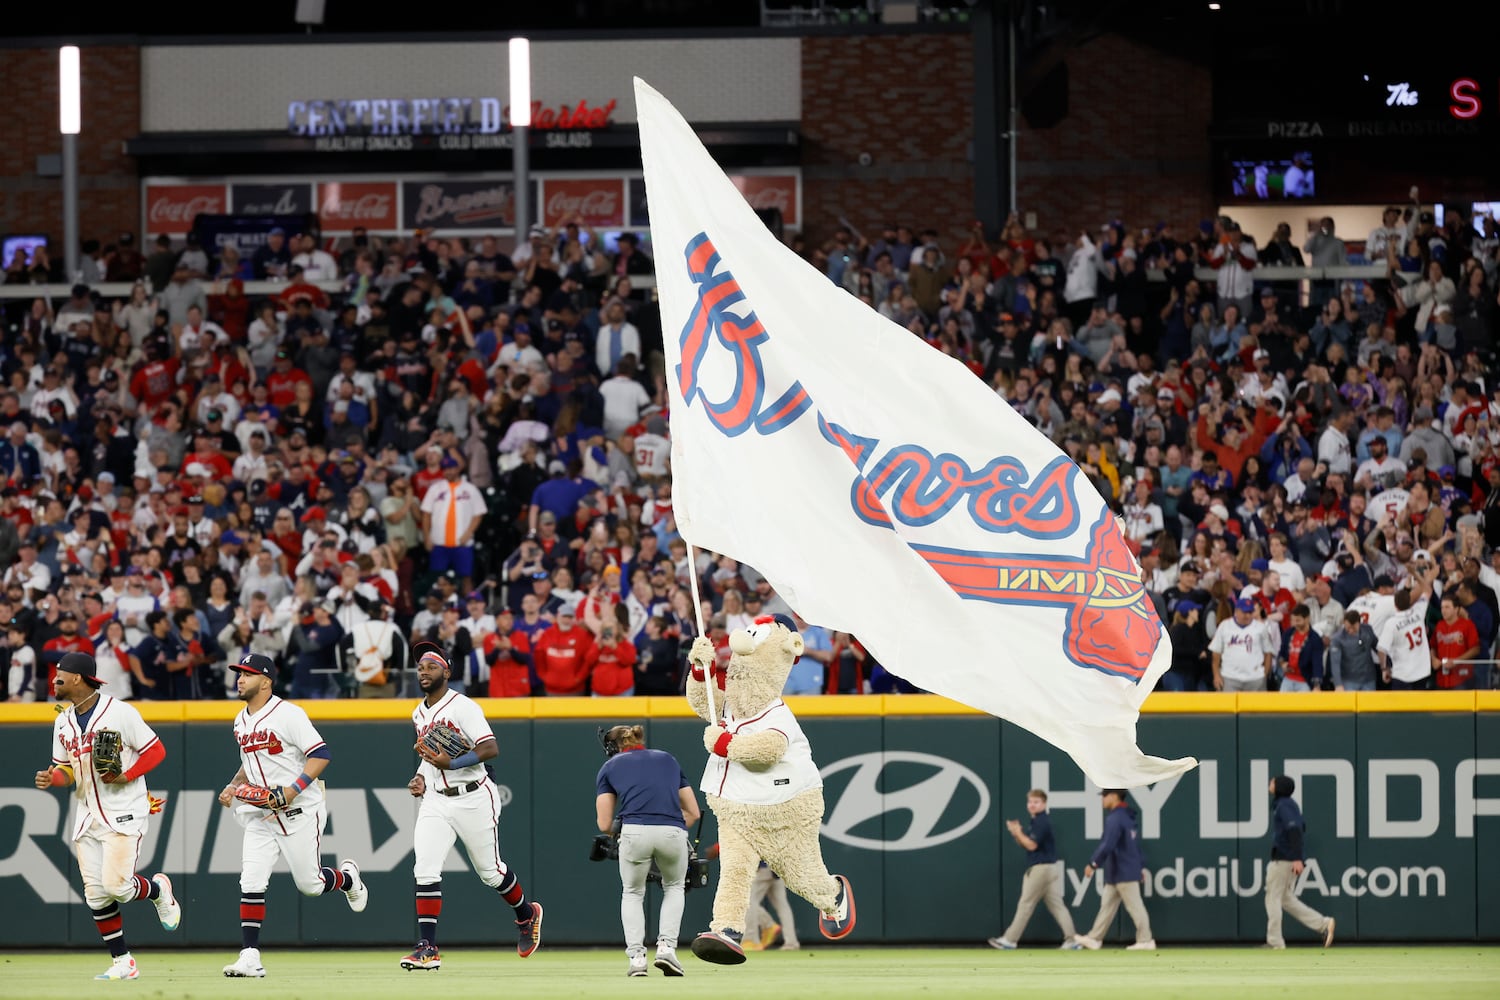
x=1286 y=864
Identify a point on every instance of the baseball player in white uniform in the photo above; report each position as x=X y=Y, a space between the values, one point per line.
x=113 y=809
x=459 y=801
x=1242 y=650
x=281 y=758
x=1374 y=607
x=1405 y=653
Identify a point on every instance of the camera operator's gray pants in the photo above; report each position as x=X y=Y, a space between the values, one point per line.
x=639 y=846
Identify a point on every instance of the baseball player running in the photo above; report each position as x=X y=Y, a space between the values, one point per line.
x=458 y=801
x=104 y=748
x=278 y=800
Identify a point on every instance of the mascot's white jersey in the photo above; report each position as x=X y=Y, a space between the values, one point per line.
x=789 y=777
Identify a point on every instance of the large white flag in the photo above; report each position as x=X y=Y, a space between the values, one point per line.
x=882 y=488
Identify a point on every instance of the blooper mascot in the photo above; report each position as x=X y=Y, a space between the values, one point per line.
x=762 y=785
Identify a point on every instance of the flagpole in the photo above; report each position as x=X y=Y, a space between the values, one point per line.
x=708 y=687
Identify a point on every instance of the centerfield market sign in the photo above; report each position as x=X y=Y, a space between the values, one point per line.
x=433 y=116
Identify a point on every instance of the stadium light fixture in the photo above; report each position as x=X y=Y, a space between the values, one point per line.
x=520 y=82
x=70 y=100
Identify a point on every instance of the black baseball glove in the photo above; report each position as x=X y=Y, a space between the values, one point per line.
x=108 y=748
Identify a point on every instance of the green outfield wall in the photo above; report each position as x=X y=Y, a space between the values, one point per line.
x=1401 y=795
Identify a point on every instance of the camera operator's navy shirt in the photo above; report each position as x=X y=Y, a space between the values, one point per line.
x=645 y=784
x=1046 y=845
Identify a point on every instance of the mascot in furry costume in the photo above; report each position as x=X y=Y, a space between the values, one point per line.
x=762 y=785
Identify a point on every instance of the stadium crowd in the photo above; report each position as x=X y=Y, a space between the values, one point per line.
x=470 y=446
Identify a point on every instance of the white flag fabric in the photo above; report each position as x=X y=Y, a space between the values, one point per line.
x=882 y=488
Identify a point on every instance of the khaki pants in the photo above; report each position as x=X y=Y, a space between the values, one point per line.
x=1281 y=894
x=1231 y=685
x=1110 y=898
x=1042 y=884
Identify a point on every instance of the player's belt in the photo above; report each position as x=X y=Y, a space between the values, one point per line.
x=460 y=789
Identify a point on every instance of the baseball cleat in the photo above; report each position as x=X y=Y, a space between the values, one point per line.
x=1071 y=944
x=167 y=909
x=637 y=966
x=122 y=967
x=1328 y=933
x=768 y=935
x=423 y=956
x=841 y=921
x=530 y=932
x=247 y=966
x=1092 y=944
x=666 y=961
x=719 y=947
x=357 y=894
x=1001 y=943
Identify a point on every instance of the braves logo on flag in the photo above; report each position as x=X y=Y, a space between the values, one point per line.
x=1110 y=626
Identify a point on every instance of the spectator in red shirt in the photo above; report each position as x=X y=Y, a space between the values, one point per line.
x=611 y=663
x=1276 y=601
x=561 y=656
x=283 y=379
x=1301 y=658
x=507 y=650
x=1456 y=640
x=154 y=382
x=231 y=310
x=70 y=641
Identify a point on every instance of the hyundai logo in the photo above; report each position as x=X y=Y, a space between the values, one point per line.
x=926 y=801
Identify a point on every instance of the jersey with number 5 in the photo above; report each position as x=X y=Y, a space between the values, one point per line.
x=1403 y=638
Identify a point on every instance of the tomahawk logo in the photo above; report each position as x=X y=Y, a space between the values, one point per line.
x=873 y=793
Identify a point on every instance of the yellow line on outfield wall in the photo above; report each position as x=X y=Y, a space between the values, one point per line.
x=811 y=706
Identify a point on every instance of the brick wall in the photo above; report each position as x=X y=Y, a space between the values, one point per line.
x=1134 y=145
x=908 y=102
x=108 y=192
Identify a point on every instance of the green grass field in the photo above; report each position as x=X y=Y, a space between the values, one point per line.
x=825 y=973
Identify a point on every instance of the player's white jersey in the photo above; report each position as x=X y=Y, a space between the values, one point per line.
x=121 y=807
x=1374 y=609
x=462 y=715
x=651 y=454
x=1404 y=639
x=792 y=775
x=1242 y=649
x=274 y=744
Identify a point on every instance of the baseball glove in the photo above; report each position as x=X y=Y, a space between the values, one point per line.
x=441 y=739
x=261 y=798
x=107 y=750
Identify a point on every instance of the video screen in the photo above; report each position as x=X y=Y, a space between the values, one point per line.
x=22 y=244
x=1273 y=178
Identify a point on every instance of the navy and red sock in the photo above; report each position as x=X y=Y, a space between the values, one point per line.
x=429 y=908
x=336 y=880
x=510 y=891
x=111 y=928
x=146 y=888
x=252 y=913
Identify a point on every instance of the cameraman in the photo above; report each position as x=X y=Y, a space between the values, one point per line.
x=655 y=804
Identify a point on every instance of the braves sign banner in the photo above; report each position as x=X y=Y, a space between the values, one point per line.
x=882 y=488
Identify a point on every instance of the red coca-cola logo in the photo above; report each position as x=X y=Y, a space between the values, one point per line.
x=768 y=191
x=172 y=208
x=362 y=209
x=596 y=202
x=342 y=207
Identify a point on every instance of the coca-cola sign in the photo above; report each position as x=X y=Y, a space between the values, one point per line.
x=272 y=199
x=344 y=206
x=452 y=204
x=595 y=203
x=171 y=208
x=765 y=191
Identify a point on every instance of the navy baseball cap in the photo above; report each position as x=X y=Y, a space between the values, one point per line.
x=1186 y=607
x=1244 y=604
x=83 y=665
x=1260 y=564
x=256 y=663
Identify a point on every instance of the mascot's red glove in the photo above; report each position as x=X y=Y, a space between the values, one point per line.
x=718 y=674
x=716 y=740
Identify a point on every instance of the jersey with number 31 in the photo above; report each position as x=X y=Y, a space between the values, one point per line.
x=1403 y=638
